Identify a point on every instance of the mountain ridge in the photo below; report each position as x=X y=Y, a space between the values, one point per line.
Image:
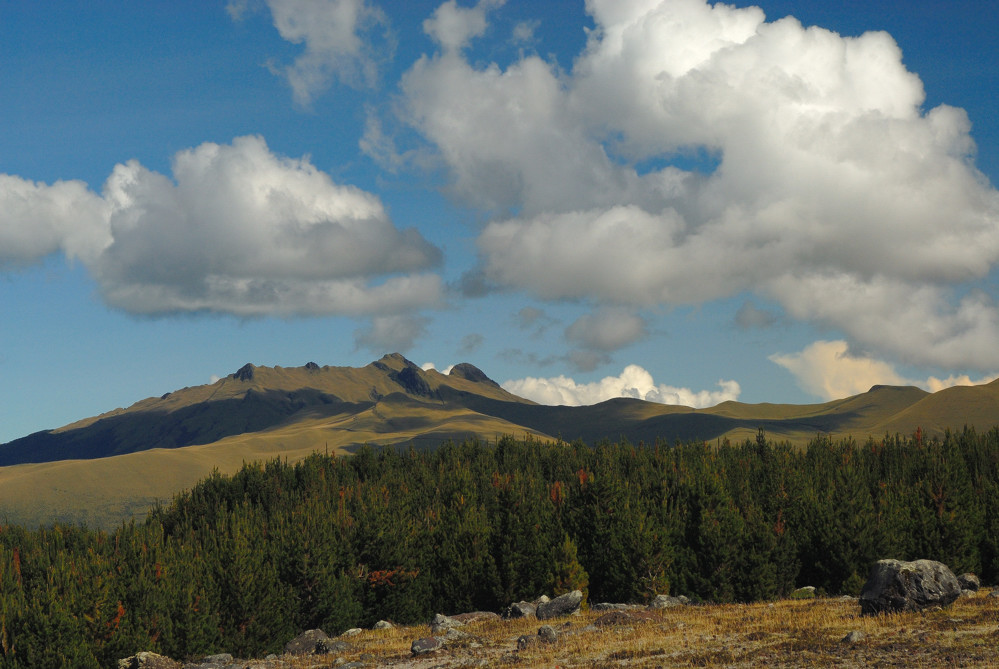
x=98 y=469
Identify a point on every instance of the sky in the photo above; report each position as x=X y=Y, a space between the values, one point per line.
x=676 y=200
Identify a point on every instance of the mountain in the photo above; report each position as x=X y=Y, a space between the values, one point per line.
x=108 y=467
x=252 y=400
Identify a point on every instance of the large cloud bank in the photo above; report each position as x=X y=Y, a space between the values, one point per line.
x=824 y=184
x=237 y=230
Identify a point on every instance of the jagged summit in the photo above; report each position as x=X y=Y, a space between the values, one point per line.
x=244 y=373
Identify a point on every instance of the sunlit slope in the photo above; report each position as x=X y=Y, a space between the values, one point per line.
x=104 y=491
x=251 y=400
x=953 y=408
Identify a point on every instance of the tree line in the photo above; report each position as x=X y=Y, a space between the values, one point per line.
x=242 y=563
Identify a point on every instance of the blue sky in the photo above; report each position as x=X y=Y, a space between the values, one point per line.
x=672 y=200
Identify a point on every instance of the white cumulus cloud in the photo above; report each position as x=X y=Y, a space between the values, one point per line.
x=37 y=219
x=834 y=193
x=634 y=381
x=237 y=230
x=338 y=37
x=453 y=27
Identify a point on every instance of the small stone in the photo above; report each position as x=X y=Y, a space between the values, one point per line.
x=605 y=606
x=853 y=637
x=475 y=616
x=353 y=631
x=426 y=645
x=969 y=581
x=807 y=592
x=667 y=602
x=330 y=646
x=442 y=623
x=383 y=625
x=547 y=634
x=147 y=660
x=305 y=643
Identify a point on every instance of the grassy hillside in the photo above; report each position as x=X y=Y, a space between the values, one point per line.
x=100 y=469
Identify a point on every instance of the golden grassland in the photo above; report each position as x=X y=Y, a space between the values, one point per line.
x=808 y=633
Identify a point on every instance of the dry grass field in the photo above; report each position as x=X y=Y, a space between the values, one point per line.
x=808 y=633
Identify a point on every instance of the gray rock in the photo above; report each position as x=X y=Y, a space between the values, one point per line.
x=353 y=631
x=455 y=636
x=426 y=645
x=604 y=606
x=853 y=637
x=305 y=643
x=147 y=660
x=442 y=623
x=563 y=605
x=969 y=581
x=994 y=593
x=525 y=641
x=894 y=585
x=475 y=616
x=383 y=625
x=330 y=646
x=547 y=634
x=667 y=602
x=520 y=610
x=807 y=592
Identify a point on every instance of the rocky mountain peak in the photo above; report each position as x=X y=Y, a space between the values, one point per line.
x=470 y=372
x=244 y=373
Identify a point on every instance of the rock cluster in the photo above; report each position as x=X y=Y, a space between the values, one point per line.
x=892 y=586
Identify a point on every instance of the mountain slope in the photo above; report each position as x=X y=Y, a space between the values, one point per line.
x=109 y=467
x=252 y=399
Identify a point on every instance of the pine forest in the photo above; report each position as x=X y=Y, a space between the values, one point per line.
x=243 y=563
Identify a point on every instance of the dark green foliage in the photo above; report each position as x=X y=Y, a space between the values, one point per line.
x=241 y=564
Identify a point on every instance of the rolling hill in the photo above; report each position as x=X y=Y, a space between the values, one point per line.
x=102 y=469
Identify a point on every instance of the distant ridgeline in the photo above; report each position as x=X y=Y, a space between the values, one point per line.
x=241 y=564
